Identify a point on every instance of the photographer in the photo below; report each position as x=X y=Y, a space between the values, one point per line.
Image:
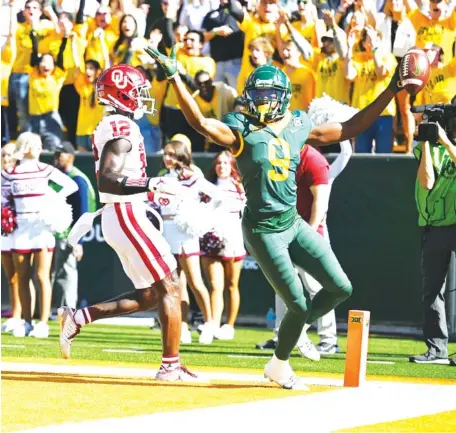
x=435 y=195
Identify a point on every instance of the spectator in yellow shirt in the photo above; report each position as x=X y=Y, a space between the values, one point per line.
x=8 y=56
x=215 y=99
x=436 y=25
x=371 y=71
x=90 y=111
x=305 y=21
x=46 y=81
x=19 y=79
x=128 y=48
x=441 y=87
x=301 y=77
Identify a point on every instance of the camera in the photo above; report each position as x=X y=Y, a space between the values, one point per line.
x=433 y=113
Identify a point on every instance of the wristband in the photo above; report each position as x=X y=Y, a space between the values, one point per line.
x=134 y=186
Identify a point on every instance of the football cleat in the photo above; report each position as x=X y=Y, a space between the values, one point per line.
x=283 y=375
x=68 y=330
x=308 y=350
x=178 y=374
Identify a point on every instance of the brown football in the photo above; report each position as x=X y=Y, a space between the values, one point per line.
x=414 y=70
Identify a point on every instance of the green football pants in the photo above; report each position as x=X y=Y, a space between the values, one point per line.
x=277 y=253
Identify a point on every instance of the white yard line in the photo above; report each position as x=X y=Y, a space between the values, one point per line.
x=123 y=351
x=14 y=346
x=321 y=412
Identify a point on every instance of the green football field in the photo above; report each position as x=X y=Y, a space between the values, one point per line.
x=131 y=344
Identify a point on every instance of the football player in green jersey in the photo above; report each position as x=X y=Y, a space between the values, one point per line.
x=267 y=140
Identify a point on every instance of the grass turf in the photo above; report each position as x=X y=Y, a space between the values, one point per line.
x=145 y=345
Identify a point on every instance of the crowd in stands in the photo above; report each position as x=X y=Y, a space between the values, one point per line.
x=53 y=52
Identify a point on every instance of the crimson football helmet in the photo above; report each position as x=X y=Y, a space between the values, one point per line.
x=124 y=88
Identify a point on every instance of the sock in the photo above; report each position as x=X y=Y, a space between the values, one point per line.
x=170 y=361
x=279 y=362
x=82 y=317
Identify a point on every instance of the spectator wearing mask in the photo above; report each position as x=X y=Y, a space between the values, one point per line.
x=441 y=86
x=33 y=240
x=46 y=81
x=437 y=24
x=191 y=59
x=435 y=195
x=19 y=79
x=9 y=48
x=226 y=43
x=223 y=268
x=66 y=258
x=371 y=71
x=90 y=111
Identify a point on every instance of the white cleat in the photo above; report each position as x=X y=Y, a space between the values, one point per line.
x=11 y=324
x=68 y=330
x=283 y=375
x=308 y=350
x=40 y=330
x=186 y=335
x=226 y=332
x=179 y=374
x=23 y=330
x=207 y=334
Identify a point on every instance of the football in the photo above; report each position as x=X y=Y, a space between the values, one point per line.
x=414 y=70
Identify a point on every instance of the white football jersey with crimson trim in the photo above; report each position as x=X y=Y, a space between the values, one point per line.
x=116 y=126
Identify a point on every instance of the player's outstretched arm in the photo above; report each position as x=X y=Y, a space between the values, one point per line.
x=211 y=128
x=330 y=133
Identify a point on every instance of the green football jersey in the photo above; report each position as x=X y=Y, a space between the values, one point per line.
x=268 y=163
x=437 y=207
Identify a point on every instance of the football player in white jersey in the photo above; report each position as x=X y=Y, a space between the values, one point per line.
x=123 y=185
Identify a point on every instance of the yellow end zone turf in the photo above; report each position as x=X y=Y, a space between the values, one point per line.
x=73 y=398
x=443 y=422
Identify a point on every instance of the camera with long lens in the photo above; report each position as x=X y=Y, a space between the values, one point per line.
x=433 y=113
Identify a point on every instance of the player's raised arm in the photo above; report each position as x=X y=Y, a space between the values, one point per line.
x=330 y=133
x=211 y=128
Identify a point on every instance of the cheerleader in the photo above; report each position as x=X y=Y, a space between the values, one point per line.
x=223 y=267
x=33 y=241
x=184 y=242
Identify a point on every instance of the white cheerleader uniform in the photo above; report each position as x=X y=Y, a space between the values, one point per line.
x=28 y=184
x=232 y=205
x=7 y=240
x=184 y=244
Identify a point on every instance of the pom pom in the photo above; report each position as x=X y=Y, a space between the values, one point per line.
x=194 y=219
x=9 y=223
x=57 y=214
x=326 y=110
x=211 y=245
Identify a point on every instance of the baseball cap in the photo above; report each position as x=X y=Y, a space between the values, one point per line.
x=65 y=147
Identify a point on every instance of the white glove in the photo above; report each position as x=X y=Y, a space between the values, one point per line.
x=166 y=185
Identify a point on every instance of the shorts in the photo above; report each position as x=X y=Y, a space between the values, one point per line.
x=143 y=251
x=234 y=245
x=182 y=244
x=84 y=141
x=32 y=235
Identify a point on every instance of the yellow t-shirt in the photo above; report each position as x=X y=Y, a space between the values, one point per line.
x=367 y=86
x=88 y=115
x=330 y=77
x=44 y=30
x=441 y=87
x=7 y=64
x=208 y=108
x=118 y=56
x=302 y=87
x=440 y=32
x=307 y=31
x=158 y=92
x=192 y=65
x=44 y=91
x=253 y=28
x=68 y=61
x=94 y=49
